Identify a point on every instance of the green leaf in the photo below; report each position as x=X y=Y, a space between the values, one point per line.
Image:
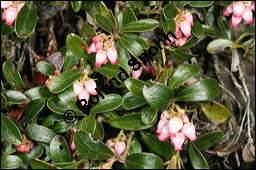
x=143 y=161
x=104 y=22
x=41 y=92
x=213 y=32
x=130 y=122
x=157 y=96
x=60 y=126
x=51 y=118
x=70 y=59
x=88 y=124
x=182 y=56
x=170 y=11
x=197 y=159
x=76 y=5
x=226 y=3
x=148 y=114
x=140 y=26
x=190 y=43
x=183 y=73
x=218 y=45
x=95 y=150
x=64 y=80
x=249 y=31
x=39 y=164
x=198 y=29
x=9 y=130
x=131 y=101
x=78 y=47
x=39 y=133
x=6 y=29
x=128 y=16
x=216 y=112
x=8 y=148
x=88 y=33
x=68 y=96
x=110 y=102
x=131 y=45
x=10 y=162
x=135 y=86
x=36 y=152
x=45 y=68
x=208 y=140
x=109 y=14
x=224 y=27
x=161 y=148
x=33 y=108
x=141 y=41
x=15 y=97
x=3 y=101
x=134 y=147
x=26 y=20
x=194 y=3
x=92 y=7
x=59 y=150
x=99 y=132
x=204 y=90
x=168 y=24
x=68 y=165
x=11 y=76
x=123 y=57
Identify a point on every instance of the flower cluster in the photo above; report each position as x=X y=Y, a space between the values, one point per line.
x=25 y=146
x=184 y=21
x=11 y=10
x=105 y=49
x=84 y=91
x=117 y=147
x=176 y=128
x=241 y=10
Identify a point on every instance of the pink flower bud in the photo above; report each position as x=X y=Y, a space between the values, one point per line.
x=17 y=145
x=100 y=57
x=90 y=87
x=175 y=125
x=84 y=95
x=19 y=6
x=185 y=118
x=110 y=159
x=78 y=87
x=112 y=55
x=185 y=27
x=189 y=131
x=178 y=141
x=110 y=143
x=160 y=125
x=178 y=33
x=235 y=20
x=228 y=10
x=96 y=39
x=172 y=40
x=21 y=148
x=26 y=149
x=99 y=45
x=136 y=74
x=4 y=15
x=120 y=148
x=72 y=146
x=189 y=18
x=31 y=145
x=56 y=72
x=247 y=15
x=149 y=69
x=238 y=9
x=11 y=14
x=182 y=40
x=6 y=4
x=165 y=133
x=164 y=114
x=91 y=49
x=252 y=7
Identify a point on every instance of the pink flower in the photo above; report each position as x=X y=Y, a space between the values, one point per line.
x=112 y=55
x=78 y=87
x=238 y=9
x=120 y=148
x=99 y=45
x=100 y=57
x=21 y=148
x=149 y=69
x=235 y=20
x=228 y=10
x=247 y=15
x=10 y=15
x=136 y=74
x=31 y=145
x=175 y=125
x=91 y=86
x=189 y=131
x=26 y=149
x=160 y=125
x=178 y=33
x=84 y=95
x=72 y=146
x=189 y=17
x=252 y=7
x=178 y=141
x=185 y=27
x=182 y=40
x=96 y=39
x=6 y=4
x=165 y=133
x=19 y=6
x=172 y=40
x=4 y=15
x=164 y=114
x=185 y=118
x=56 y=72
x=91 y=49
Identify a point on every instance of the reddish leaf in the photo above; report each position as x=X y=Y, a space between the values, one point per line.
x=15 y=113
x=56 y=60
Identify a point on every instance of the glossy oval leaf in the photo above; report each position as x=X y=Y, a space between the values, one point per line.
x=148 y=114
x=88 y=124
x=198 y=29
x=6 y=29
x=15 y=97
x=109 y=14
x=182 y=74
x=59 y=150
x=135 y=146
x=218 y=45
x=10 y=162
x=8 y=148
x=128 y=16
x=110 y=102
x=76 y=5
x=182 y=56
x=68 y=96
x=64 y=80
x=68 y=165
x=157 y=96
x=9 y=130
x=197 y=159
x=45 y=68
x=194 y=3
x=249 y=31
x=88 y=32
x=131 y=45
x=131 y=101
x=208 y=140
x=99 y=132
x=216 y=112
x=204 y=90
x=70 y=60
x=3 y=101
x=143 y=161
x=143 y=43
x=170 y=11
x=190 y=43
x=135 y=86
x=168 y=24
x=95 y=150
x=11 y=76
x=130 y=122
x=40 y=164
x=123 y=57
x=41 y=92
x=26 y=20
x=224 y=27
x=51 y=118
x=33 y=108
x=161 y=148
x=36 y=152
x=40 y=133
x=140 y=25
x=104 y=22
x=61 y=126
